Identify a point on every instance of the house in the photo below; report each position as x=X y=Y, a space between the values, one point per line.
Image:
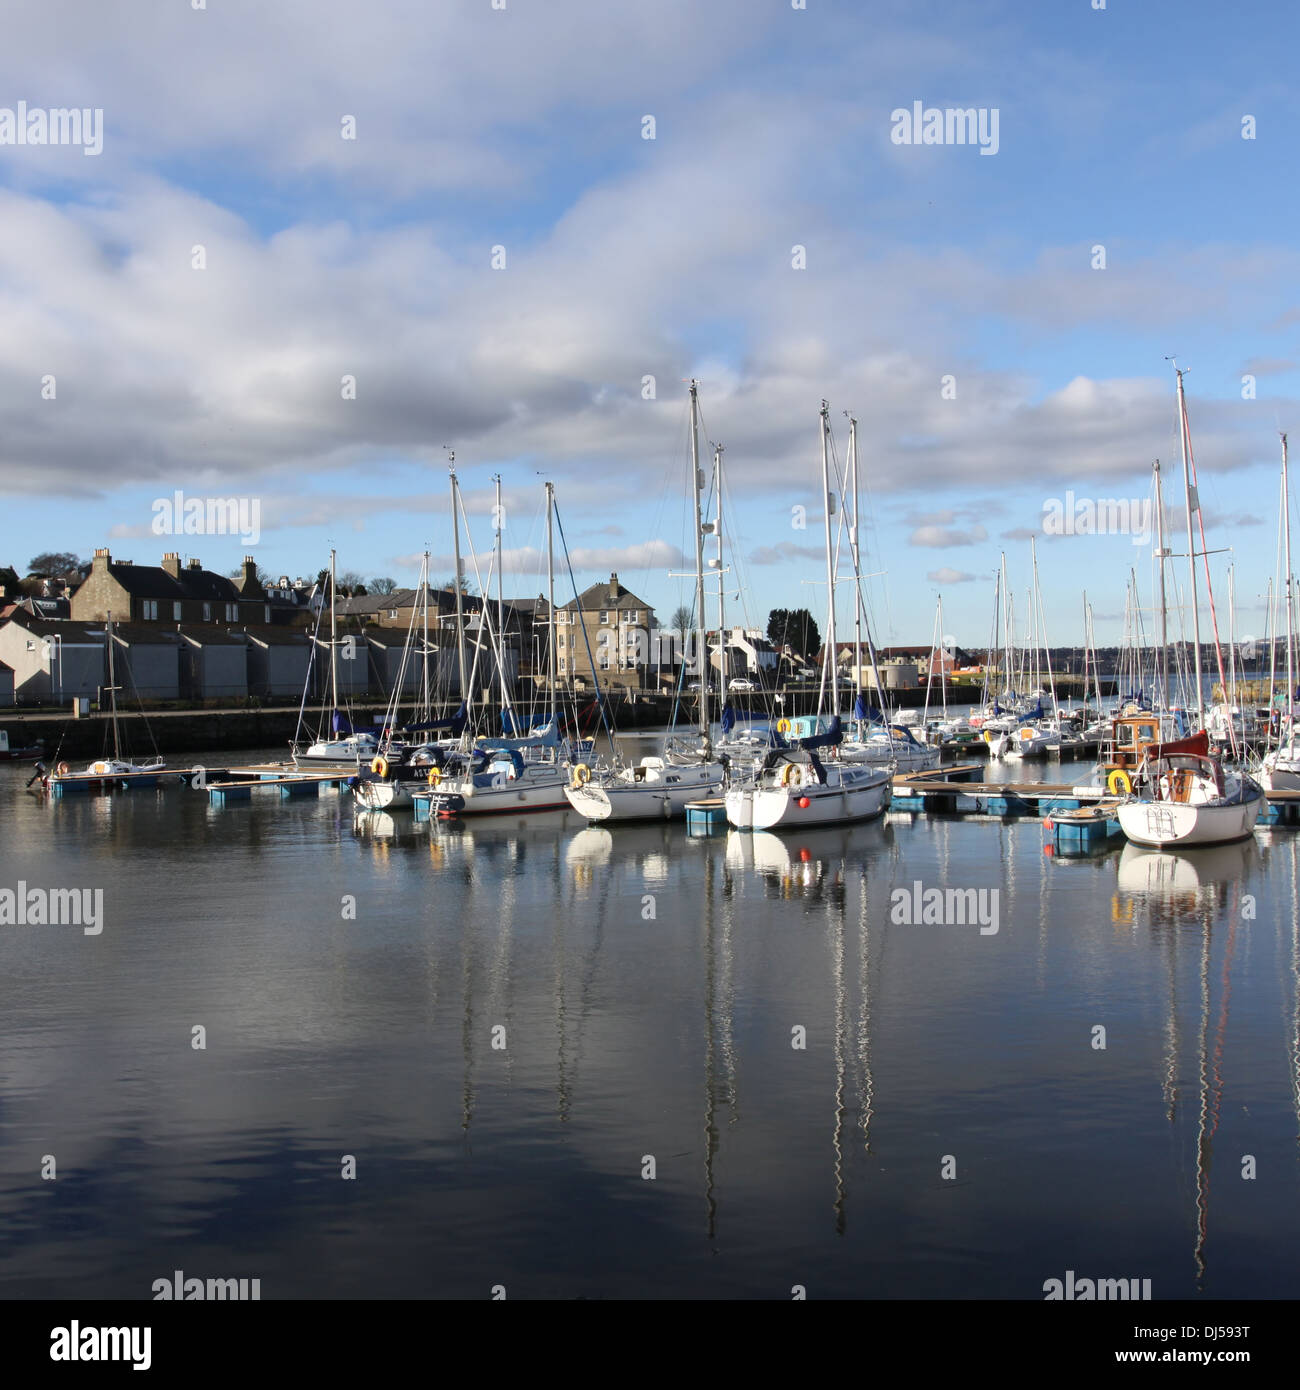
x=609 y=626
x=52 y=661
x=748 y=652
x=213 y=664
x=170 y=593
x=386 y=648
x=278 y=662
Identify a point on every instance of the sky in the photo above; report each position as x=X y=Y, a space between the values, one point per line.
x=324 y=244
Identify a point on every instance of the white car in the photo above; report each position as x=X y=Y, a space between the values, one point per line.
x=740 y=683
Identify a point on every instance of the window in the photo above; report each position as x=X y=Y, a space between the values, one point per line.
x=392 y=613
x=232 y=612
x=176 y=611
x=629 y=615
x=561 y=643
x=563 y=664
x=604 y=615
x=266 y=610
x=149 y=609
x=207 y=612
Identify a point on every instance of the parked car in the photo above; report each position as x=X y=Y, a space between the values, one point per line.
x=740 y=683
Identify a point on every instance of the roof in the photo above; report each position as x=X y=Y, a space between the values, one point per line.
x=607 y=594
x=205 y=635
x=280 y=636
x=82 y=634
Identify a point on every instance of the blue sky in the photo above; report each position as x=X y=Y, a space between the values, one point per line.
x=625 y=257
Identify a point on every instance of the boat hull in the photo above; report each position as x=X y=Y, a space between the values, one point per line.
x=778 y=808
x=1158 y=824
x=618 y=800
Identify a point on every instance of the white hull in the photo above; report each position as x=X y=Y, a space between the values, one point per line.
x=537 y=789
x=904 y=756
x=618 y=799
x=382 y=796
x=853 y=793
x=1162 y=823
x=1280 y=771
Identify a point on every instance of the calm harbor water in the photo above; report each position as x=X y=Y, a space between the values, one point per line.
x=649 y=987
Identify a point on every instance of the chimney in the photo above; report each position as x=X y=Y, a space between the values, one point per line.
x=172 y=564
x=102 y=559
x=196 y=564
x=614 y=589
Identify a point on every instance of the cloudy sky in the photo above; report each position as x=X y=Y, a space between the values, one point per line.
x=499 y=259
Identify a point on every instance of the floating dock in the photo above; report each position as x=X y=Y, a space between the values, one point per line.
x=239 y=784
x=705 y=815
x=72 y=783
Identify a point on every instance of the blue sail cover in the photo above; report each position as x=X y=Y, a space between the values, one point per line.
x=545 y=737
x=833 y=736
x=728 y=718
x=455 y=724
x=341 y=724
x=859 y=708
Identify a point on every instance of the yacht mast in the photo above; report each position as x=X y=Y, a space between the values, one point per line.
x=334 y=651
x=723 y=667
x=550 y=597
x=834 y=665
x=857 y=569
x=455 y=550
x=1193 y=504
x=1290 y=611
x=112 y=691
x=701 y=641
x=1161 y=555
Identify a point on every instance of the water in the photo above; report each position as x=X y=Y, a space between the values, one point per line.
x=649 y=986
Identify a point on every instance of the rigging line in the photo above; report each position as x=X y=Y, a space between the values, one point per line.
x=586 y=636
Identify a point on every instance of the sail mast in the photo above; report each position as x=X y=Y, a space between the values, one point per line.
x=1290 y=612
x=501 y=632
x=723 y=667
x=455 y=550
x=701 y=646
x=857 y=571
x=112 y=690
x=1161 y=556
x=550 y=596
x=1193 y=504
x=334 y=651
x=833 y=664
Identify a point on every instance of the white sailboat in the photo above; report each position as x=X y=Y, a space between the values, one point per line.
x=661 y=787
x=792 y=786
x=1181 y=794
x=503 y=775
x=1280 y=770
x=104 y=770
x=342 y=746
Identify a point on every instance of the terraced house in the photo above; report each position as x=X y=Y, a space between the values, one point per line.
x=171 y=593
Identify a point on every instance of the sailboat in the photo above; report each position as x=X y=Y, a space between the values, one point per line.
x=103 y=771
x=402 y=764
x=341 y=745
x=1280 y=770
x=1181 y=793
x=792 y=786
x=875 y=740
x=507 y=774
x=661 y=787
